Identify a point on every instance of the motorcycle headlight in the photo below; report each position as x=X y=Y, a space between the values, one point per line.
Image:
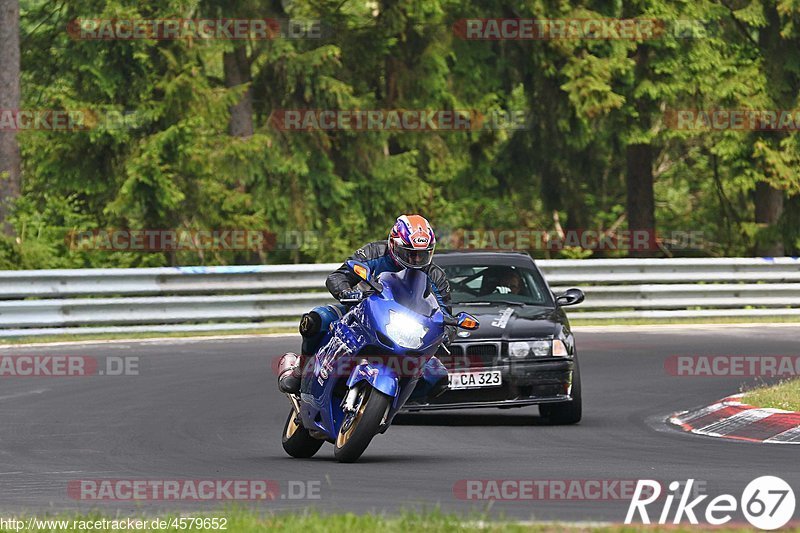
x=405 y=331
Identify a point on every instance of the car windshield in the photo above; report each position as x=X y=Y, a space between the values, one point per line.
x=497 y=284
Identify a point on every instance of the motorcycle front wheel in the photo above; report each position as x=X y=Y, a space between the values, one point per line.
x=361 y=426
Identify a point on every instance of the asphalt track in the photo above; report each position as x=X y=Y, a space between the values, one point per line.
x=210 y=410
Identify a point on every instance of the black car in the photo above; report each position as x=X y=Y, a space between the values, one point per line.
x=524 y=351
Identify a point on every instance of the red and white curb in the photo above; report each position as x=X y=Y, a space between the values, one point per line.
x=731 y=419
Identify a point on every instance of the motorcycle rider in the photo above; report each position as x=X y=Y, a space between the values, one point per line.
x=411 y=244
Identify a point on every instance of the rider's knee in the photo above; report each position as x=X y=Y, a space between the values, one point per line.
x=310 y=324
x=318 y=320
x=314 y=325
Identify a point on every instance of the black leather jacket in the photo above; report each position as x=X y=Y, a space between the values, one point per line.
x=376 y=255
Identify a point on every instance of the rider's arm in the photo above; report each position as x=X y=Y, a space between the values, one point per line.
x=441 y=289
x=343 y=278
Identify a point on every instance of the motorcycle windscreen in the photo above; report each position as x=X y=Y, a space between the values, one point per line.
x=411 y=288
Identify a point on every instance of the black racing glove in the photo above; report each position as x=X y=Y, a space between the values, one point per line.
x=350 y=296
x=449 y=335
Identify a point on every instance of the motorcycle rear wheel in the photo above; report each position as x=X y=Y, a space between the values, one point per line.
x=355 y=436
x=297 y=442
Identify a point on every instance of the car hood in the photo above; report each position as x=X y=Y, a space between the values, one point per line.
x=512 y=322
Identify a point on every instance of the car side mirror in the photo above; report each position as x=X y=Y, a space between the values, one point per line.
x=570 y=297
x=359 y=269
x=467 y=321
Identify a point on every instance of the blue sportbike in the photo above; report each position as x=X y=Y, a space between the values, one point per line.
x=368 y=365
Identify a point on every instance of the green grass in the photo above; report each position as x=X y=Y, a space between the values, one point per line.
x=784 y=395
x=435 y=522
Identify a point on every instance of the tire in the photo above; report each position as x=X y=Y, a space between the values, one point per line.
x=354 y=439
x=297 y=442
x=565 y=413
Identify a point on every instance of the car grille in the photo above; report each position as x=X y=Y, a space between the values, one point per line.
x=455 y=349
x=483 y=350
x=473 y=356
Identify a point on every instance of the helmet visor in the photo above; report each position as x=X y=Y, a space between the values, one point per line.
x=413 y=258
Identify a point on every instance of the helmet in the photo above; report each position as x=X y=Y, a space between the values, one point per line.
x=411 y=241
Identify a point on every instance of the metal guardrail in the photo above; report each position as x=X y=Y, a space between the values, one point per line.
x=36 y=302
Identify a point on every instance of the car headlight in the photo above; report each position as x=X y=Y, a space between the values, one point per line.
x=519 y=349
x=541 y=348
x=405 y=331
x=525 y=349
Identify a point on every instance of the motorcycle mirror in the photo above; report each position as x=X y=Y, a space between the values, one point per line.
x=360 y=269
x=363 y=271
x=467 y=321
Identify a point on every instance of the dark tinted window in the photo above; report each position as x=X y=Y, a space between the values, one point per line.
x=496 y=283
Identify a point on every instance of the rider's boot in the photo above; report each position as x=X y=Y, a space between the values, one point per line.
x=290 y=373
x=292 y=365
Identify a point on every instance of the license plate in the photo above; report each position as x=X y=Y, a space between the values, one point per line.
x=475 y=380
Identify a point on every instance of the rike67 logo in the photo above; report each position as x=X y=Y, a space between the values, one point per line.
x=767 y=502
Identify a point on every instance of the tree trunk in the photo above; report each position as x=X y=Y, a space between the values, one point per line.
x=769 y=206
x=9 y=100
x=768 y=200
x=640 y=201
x=790 y=225
x=237 y=72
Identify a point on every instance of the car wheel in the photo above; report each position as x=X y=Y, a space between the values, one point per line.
x=563 y=413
